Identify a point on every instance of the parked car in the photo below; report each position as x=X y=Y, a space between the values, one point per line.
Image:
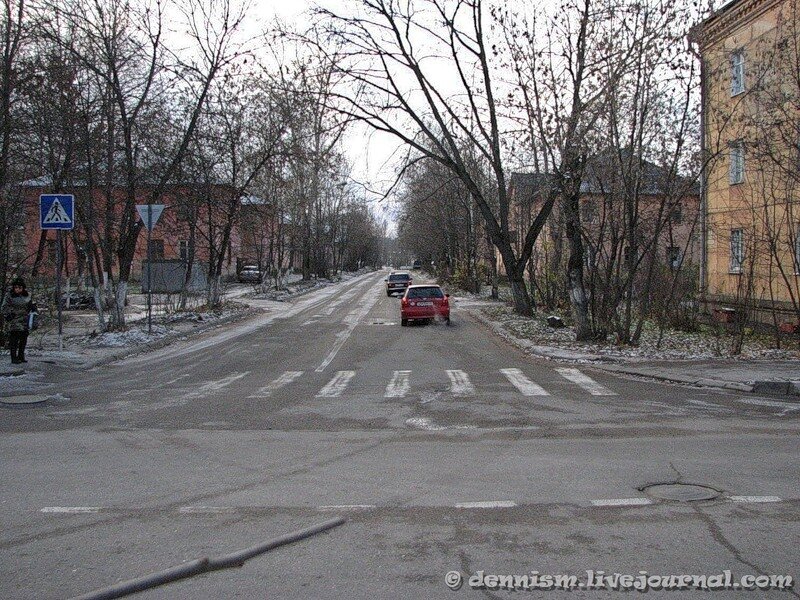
x=397 y=282
x=250 y=274
x=424 y=302
x=76 y=301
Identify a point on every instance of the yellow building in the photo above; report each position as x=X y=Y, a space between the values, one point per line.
x=751 y=139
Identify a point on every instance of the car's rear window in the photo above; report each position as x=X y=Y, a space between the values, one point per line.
x=425 y=292
x=399 y=277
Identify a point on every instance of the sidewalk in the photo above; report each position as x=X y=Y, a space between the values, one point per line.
x=85 y=347
x=778 y=376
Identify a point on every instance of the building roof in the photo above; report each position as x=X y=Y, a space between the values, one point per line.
x=601 y=176
x=730 y=16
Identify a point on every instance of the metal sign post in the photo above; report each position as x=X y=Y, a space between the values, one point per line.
x=149 y=213
x=58 y=290
x=57 y=211
x=149 y=273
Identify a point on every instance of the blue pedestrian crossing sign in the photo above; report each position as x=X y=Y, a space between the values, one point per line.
x=57 y=211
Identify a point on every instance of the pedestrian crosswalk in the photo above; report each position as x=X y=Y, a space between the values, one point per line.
x=525 y=386
x=400 y=383
x=337 y=385
x=587 y=383
x=460 y=385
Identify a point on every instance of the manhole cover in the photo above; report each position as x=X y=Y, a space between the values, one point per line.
x=23 y=400
x=681 y=492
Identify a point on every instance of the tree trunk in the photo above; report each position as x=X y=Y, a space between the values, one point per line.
x=577 y=290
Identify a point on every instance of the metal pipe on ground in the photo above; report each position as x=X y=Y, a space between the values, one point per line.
x=205 y=565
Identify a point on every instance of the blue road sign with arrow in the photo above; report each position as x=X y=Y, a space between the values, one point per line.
x=57 y=211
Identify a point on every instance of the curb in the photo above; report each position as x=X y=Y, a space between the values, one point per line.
x=681 y=379
x=772 y=388
x=546 y=352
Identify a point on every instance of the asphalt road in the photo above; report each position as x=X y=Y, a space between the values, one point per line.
x=445 y=448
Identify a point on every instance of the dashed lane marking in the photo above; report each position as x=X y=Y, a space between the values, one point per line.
x=399 y=385
x=337 y=385
x=285 y=379
x=487 y=504
x=584 y=381
x=754 y=499
x=622 y=502
x=206 y=510
x=460 y=384
x=72 y=510
x=525 y=386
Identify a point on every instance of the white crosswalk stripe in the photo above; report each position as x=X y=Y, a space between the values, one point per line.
x=285 y=379
x=525 y=386
x=399 y=385
x=460 y=384
x=586 y=382
x=337 y=385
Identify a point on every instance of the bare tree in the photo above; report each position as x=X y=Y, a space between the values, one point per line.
x=397 y=88
x=120 y=45
x=570 y=67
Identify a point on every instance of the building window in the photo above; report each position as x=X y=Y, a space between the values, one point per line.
x=52 y=251
x=737 y=163
x=589 y=211
x=674 y=257
x=628 y=255
x=737 y=250
x=157 y=249
x=737 y=72
x=183 y=250
x=676 y=214
x=797 y=251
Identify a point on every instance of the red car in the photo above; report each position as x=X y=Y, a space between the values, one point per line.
x=424 y=302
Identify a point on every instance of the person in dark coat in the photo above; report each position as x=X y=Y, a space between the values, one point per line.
x=16 y=308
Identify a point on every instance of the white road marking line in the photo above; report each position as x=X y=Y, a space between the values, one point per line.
x=206 y=510
x=309 y=322
x=525 y=386
x=177 y=379
x=786 y=406
x=754 y=499
x=460 y=384
x=352 y=319
x=487 y=504
x=337 y=385
x=315 y=299
x=622 y=502
x=399 y=385
x=72 y=510
x=347 y=507
x=586 y=382
x=215 y=386
x=424 y=423
x=285 y=379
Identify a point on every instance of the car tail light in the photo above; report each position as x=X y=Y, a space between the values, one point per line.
x=404 y=301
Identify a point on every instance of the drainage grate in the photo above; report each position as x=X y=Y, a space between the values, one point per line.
x=681 y=492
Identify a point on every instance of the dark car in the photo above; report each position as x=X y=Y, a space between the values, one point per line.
x=77 y=301
x=417 y=264
x=397 y=282
x=250 y=274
